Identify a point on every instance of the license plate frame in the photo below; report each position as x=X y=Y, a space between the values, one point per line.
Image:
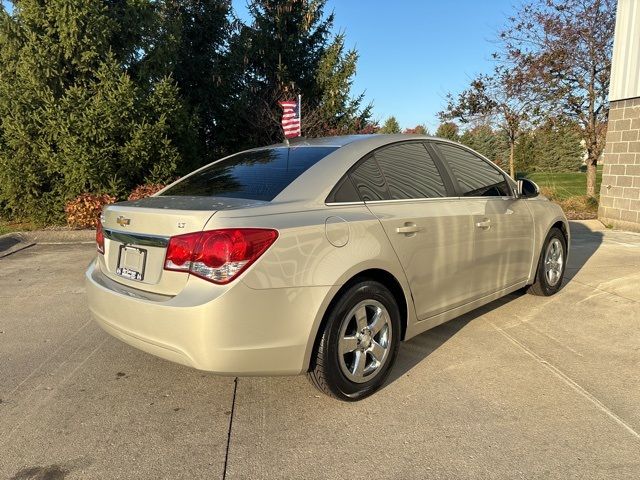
x=135 y=261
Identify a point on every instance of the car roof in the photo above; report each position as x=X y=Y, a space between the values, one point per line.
x=310 y=190
x=315 y=184
x=337 y=141
x=342 y=140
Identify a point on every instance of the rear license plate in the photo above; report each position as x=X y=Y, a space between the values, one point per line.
x=131 y=262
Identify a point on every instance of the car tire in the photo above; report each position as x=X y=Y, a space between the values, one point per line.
x=551 y=265
x=351 y=361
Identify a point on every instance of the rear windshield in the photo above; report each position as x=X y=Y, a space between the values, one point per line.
x=254 y=175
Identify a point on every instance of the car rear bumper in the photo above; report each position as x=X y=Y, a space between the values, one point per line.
x=231 y=330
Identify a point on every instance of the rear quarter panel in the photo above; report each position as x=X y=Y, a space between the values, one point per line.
x=303 y=256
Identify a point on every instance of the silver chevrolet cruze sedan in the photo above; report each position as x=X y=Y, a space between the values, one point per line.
x=320 y=257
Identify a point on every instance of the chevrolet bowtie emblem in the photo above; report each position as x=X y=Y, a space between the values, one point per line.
x=122 y=221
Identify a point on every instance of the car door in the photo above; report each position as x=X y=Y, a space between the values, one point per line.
x=429 y=230
x=503 y=224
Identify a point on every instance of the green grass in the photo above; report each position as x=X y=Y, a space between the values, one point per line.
x=565 y=185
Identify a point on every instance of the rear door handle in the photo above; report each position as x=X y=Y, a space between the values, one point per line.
x=484 y=224
x=408 y=229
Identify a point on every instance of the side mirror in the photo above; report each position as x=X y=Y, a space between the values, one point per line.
x=527 y=188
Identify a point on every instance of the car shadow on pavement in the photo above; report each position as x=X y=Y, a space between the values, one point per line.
x=421 y=346
x=584 y=243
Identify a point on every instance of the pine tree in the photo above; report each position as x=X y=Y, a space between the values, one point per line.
x=484 y=140
x=558 y=147
x=526 y=153
x=287 y=50
x=448 y=130
x=190 y=45
x=336 y=112
x=72 y=120
x=391 y=125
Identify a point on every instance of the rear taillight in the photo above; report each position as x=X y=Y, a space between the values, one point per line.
x=100 y=237
x=218 y=256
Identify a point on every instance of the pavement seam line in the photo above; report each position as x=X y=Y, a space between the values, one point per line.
x=603 y=291
x=550 y=337
x=566 y=379
x=233 y=408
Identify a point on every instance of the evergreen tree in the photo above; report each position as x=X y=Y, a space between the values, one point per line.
x=448 y=130
x=484 y=140
x=526 y=153
x=558 y=147
x=71 y=119
x=101 y=95
x=191 y=45
x=391 y=125
x=336 y=112
x=287 y=50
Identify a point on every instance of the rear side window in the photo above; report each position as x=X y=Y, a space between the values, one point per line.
x=476 y=177
x=410 y=172
x=254 y=175
x=345 y=191
x=368 y=180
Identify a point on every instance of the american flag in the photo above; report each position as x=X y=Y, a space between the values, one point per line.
x=290 y=118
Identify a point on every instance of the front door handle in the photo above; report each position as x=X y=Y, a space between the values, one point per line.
x=408 y=229
x=484 y=224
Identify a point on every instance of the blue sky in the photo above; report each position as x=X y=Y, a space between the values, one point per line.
x=412 y=52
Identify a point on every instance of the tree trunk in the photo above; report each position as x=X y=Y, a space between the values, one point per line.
x=512 y=154
x=592 y=165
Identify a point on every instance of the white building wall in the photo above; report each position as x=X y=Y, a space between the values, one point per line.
x=625 y=69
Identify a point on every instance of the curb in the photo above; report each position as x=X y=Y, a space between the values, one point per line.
x=61 y=237
x=14 y=242
x=594 y=225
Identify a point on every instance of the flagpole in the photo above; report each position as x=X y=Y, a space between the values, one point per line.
x=286 y=142
x=300 y=111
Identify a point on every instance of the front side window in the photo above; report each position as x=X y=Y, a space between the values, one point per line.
x=254 y=175
x=476 y=177
x=410 y=171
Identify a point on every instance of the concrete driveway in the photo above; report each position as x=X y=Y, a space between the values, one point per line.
x=526 y=387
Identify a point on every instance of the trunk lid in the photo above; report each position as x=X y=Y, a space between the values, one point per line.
x=137 y=233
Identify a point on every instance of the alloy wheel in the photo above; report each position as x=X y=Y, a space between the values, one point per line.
x=365 y=340
x=553 y=262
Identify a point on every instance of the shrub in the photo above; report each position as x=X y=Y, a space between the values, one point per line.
x=84 y=210
x=549 y=192
x=582 y=207
x=143 y=191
